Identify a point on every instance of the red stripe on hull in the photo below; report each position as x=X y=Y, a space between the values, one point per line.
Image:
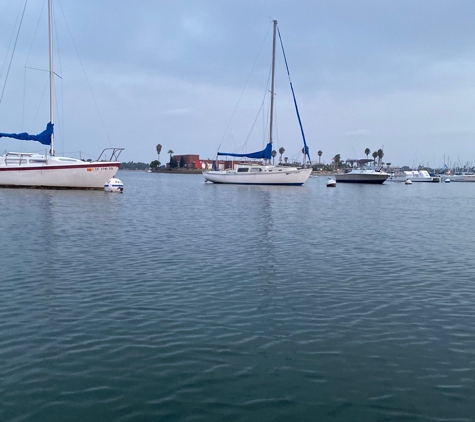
x=66 y=167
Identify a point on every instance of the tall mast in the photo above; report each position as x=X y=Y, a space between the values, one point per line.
x=51 y=71
x=272 y=84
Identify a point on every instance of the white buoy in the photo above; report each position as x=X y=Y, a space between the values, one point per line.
x=331 y=183
x=114 y=185
x=447 y=180
x=408 y=182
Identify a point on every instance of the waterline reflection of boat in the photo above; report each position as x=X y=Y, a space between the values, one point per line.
x=263 y=173
x=460 y=178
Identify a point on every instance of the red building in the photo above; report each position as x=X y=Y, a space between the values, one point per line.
x=193 y=161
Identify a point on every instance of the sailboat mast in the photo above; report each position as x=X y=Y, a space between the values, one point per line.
x=272 y=84
x=51 y=71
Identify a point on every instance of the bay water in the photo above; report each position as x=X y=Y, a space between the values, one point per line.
x=180 y=300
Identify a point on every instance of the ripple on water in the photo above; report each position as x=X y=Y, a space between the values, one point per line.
x=180 y=300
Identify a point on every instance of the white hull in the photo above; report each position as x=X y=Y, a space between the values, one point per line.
x=267 y=175
x=55 y=172
x=414 y=176
x=362 y=176
x=413 y=179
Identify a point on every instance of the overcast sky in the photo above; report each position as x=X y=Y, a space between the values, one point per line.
x=191 y=75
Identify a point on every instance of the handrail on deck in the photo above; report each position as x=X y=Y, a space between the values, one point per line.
x=114 y=154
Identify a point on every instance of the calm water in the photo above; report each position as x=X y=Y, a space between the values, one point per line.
x=183 y=301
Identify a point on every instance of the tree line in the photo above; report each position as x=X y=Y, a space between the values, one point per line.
x=336 y=160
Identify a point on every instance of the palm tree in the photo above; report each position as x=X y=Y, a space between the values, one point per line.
x=170 y=152
x=375 y=154
x=286 y=160
x=159 y=150
x=319 y=155
x=281 y=152
x=367 y=151
x=337 y=160
x=380 y=155
x=274 y=153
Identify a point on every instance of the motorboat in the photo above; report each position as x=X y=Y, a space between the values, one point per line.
x=331 y=183
x=414 y=176
x=363 y=173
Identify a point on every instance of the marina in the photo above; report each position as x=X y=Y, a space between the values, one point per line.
x=196 y=281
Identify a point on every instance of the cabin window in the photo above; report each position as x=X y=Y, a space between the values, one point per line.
x=37 y=161
x=68 y=159
x=242 y=170
x=256 y=170
x=15 y=161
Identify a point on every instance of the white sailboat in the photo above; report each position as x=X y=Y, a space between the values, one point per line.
x=263 y=174
x=20 y=169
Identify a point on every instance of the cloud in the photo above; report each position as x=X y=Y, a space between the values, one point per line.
x=394 y=73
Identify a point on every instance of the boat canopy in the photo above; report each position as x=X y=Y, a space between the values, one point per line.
x=264 y=154
x=360 y=161
x=43 y=137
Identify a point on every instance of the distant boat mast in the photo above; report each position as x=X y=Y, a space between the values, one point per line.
x=272 y=83
x=51 y=70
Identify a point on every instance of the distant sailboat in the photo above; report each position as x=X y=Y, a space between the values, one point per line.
x=263 y=174
x=20 y=169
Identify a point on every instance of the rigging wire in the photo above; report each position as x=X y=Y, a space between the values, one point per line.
x=307 y=153
x=13 y=52
x=245 y=85
x=258 y=114
x=85 y=76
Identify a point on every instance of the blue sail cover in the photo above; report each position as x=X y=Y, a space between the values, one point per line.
x=43 y=137
x=264 y=154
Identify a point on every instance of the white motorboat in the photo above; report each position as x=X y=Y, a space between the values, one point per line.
x=263 y=173
x=20 y=169
x=331 y=183
x=414 y=176
x=362 y=174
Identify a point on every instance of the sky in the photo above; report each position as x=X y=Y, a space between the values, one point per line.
x=193 y=76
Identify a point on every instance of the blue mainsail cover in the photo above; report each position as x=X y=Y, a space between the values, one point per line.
x=43 y=137
x=265 y=153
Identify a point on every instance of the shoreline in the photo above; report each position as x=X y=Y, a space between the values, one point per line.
x=200 y=171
